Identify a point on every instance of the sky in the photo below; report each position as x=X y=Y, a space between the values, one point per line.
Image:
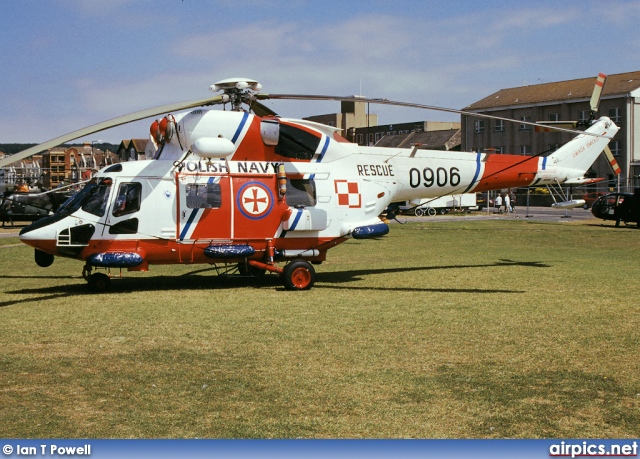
x=67 y=64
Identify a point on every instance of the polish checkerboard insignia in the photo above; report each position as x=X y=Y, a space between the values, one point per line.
x=348 y=194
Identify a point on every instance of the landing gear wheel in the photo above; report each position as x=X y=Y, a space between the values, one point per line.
x=99 y=282
x=298 y=275
x=43 y=259
x=245 y=269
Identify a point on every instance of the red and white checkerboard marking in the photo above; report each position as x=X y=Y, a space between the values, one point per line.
x=348 y=194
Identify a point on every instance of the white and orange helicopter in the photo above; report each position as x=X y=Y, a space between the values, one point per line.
x=246 y=190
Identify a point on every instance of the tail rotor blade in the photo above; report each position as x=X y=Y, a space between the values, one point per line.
x=612 y=161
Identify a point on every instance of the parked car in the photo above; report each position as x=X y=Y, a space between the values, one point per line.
x=481 y=201
x=590 y=198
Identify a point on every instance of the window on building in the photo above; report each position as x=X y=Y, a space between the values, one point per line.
x=499 y=127
x=615 y=147
x=525 y=127
x=585 y=115
x=479 y=126
x=616 y=115
x=525 y=149
x=554 y=117
x=360 y=139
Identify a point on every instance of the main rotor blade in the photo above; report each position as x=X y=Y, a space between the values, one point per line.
x=142 y=114
x=261 y=109
x=597 y=91
x=411 y=105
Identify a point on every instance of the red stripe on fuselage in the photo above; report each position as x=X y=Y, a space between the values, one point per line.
x=158 y=251
x=507 y=171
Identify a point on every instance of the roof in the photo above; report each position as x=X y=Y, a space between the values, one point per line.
x=138 y=144
x=447 y=139
x=619 y=84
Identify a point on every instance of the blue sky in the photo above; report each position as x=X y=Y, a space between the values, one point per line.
x=72 y=63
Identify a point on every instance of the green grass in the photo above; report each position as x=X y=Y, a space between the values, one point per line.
x=441 y=329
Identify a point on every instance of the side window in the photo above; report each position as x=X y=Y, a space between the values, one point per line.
x=301 y=192
x=128 y=199
x=203 y=195
x=296 y=143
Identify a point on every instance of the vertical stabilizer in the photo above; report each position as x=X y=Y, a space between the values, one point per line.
x=580 y=153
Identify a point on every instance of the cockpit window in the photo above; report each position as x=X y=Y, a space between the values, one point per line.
x=92 y=198
x=128 y=199
x=296 y=143
x=96 y=200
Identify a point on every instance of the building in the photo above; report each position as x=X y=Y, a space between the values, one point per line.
x=133 y=150
x=434 y=135
x=353 y=115
x=560 y=101
x=71 y=165
x=28 y=170
x=443 y=139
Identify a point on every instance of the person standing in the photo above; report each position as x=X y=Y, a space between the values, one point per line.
x=507 y=203
x=498 y=202
x=512 y=197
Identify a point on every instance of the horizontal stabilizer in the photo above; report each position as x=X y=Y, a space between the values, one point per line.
x=583 y=181
x=569 y=204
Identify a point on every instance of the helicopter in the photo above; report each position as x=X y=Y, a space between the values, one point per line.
x=246 y=190
x=620 y=207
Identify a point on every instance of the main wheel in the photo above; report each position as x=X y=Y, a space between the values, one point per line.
x=245 y=269
x=99 y=282
x=298 y=275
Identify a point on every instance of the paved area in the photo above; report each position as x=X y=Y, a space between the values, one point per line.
x=533 y=213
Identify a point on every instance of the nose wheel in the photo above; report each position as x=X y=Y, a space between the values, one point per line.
x=97 y=282
x=298 y=275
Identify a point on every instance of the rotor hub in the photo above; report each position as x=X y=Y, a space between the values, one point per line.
x=237 y=90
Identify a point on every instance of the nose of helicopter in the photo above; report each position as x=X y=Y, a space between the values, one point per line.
x=41 y=234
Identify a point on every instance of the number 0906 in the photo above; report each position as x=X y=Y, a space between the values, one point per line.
x=428 y=177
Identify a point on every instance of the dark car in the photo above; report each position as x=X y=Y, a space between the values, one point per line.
x=590 y=198
x=481 y=201
x=621 y=207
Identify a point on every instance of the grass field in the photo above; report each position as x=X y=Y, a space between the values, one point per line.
x=441 y=329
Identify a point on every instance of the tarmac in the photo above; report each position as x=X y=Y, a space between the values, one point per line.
x=534 y=213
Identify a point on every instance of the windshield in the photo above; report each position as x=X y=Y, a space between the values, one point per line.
x=92 y=198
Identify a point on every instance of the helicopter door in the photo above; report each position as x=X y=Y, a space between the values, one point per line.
x=122 y=217
x=258 y=209
x=204 y=210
